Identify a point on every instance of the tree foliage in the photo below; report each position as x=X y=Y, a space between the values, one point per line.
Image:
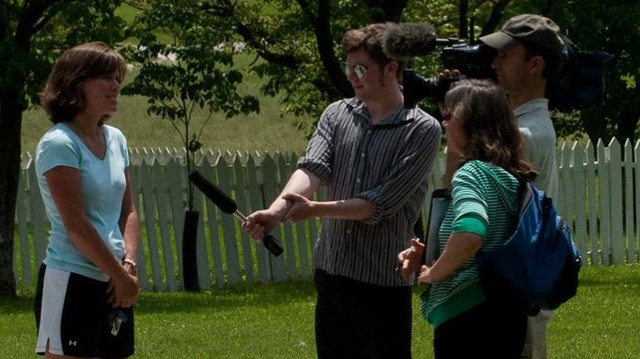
x=297 y=44
x=611 y=26
x=298 y=41
x=187 y=72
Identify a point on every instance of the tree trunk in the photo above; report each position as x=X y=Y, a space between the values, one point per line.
x=10 y=149
x=595 y=124
x=495 y=19
x=386 y=10
x=627 y=123
x=189 y=251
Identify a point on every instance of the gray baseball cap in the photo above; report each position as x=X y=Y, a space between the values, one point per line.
x=528 y=28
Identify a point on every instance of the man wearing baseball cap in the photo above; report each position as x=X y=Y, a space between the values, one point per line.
x=529 y=54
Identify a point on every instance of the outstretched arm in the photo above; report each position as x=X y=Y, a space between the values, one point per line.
x=303 y=208
x=301 y=182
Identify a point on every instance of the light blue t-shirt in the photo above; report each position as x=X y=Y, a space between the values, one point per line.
x=103 y=187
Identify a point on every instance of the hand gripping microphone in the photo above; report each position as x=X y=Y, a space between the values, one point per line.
x=227 y=205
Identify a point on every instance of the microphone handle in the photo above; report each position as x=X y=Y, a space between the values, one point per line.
x=270 y=242
x=272 y=245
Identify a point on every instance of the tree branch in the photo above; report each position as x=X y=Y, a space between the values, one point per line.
x=495 y=18
x=33 y=19
x=251 y=36
x=324 y=41
x=388 y=10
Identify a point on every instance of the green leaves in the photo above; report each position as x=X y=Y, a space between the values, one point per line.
x=185 y=61
x=27 y=53
x=193 y=69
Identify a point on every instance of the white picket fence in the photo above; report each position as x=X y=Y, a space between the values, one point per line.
x=597 y=196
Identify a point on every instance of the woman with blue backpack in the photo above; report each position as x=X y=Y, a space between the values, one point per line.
x=483 y=136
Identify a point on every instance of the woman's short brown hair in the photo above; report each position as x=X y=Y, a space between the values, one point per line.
x=62 y=97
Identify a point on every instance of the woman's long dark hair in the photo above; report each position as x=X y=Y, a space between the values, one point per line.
x=489 y=126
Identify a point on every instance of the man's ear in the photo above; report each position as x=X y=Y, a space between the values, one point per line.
x=537 y=64
x=393 y=67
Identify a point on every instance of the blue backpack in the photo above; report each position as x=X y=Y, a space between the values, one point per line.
x=539 y=263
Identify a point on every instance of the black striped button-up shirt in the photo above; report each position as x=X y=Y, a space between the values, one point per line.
x=387 y=165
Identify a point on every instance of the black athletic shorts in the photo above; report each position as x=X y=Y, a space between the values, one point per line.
x=73 y=316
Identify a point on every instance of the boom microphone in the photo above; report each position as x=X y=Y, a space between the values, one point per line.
x=227 y=205
x=401 y=40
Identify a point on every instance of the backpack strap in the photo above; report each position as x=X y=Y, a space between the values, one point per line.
x=524 y=194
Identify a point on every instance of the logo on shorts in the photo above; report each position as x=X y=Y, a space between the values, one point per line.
x=73 y=343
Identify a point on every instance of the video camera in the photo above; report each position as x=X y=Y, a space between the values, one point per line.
x=579 y=85
x=472 y=61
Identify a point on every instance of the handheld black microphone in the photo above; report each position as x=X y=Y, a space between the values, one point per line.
x=402 y=40
x=227 y=205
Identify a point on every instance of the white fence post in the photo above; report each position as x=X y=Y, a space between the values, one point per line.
x=600 y=194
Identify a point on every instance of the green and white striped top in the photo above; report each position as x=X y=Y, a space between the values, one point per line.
x=487 y=194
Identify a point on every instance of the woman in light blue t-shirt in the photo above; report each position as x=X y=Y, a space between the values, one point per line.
x=87 y=283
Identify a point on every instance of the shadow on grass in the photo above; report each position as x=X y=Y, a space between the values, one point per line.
x=620 y=276
x=16 y=305
x=227 y=297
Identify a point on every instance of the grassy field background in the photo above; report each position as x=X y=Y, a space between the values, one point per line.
x=276 y=321
x=270 y=130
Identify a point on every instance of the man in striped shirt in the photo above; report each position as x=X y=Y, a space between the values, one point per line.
x=374 y=156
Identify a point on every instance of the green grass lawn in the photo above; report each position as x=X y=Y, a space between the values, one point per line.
x=276 y=321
